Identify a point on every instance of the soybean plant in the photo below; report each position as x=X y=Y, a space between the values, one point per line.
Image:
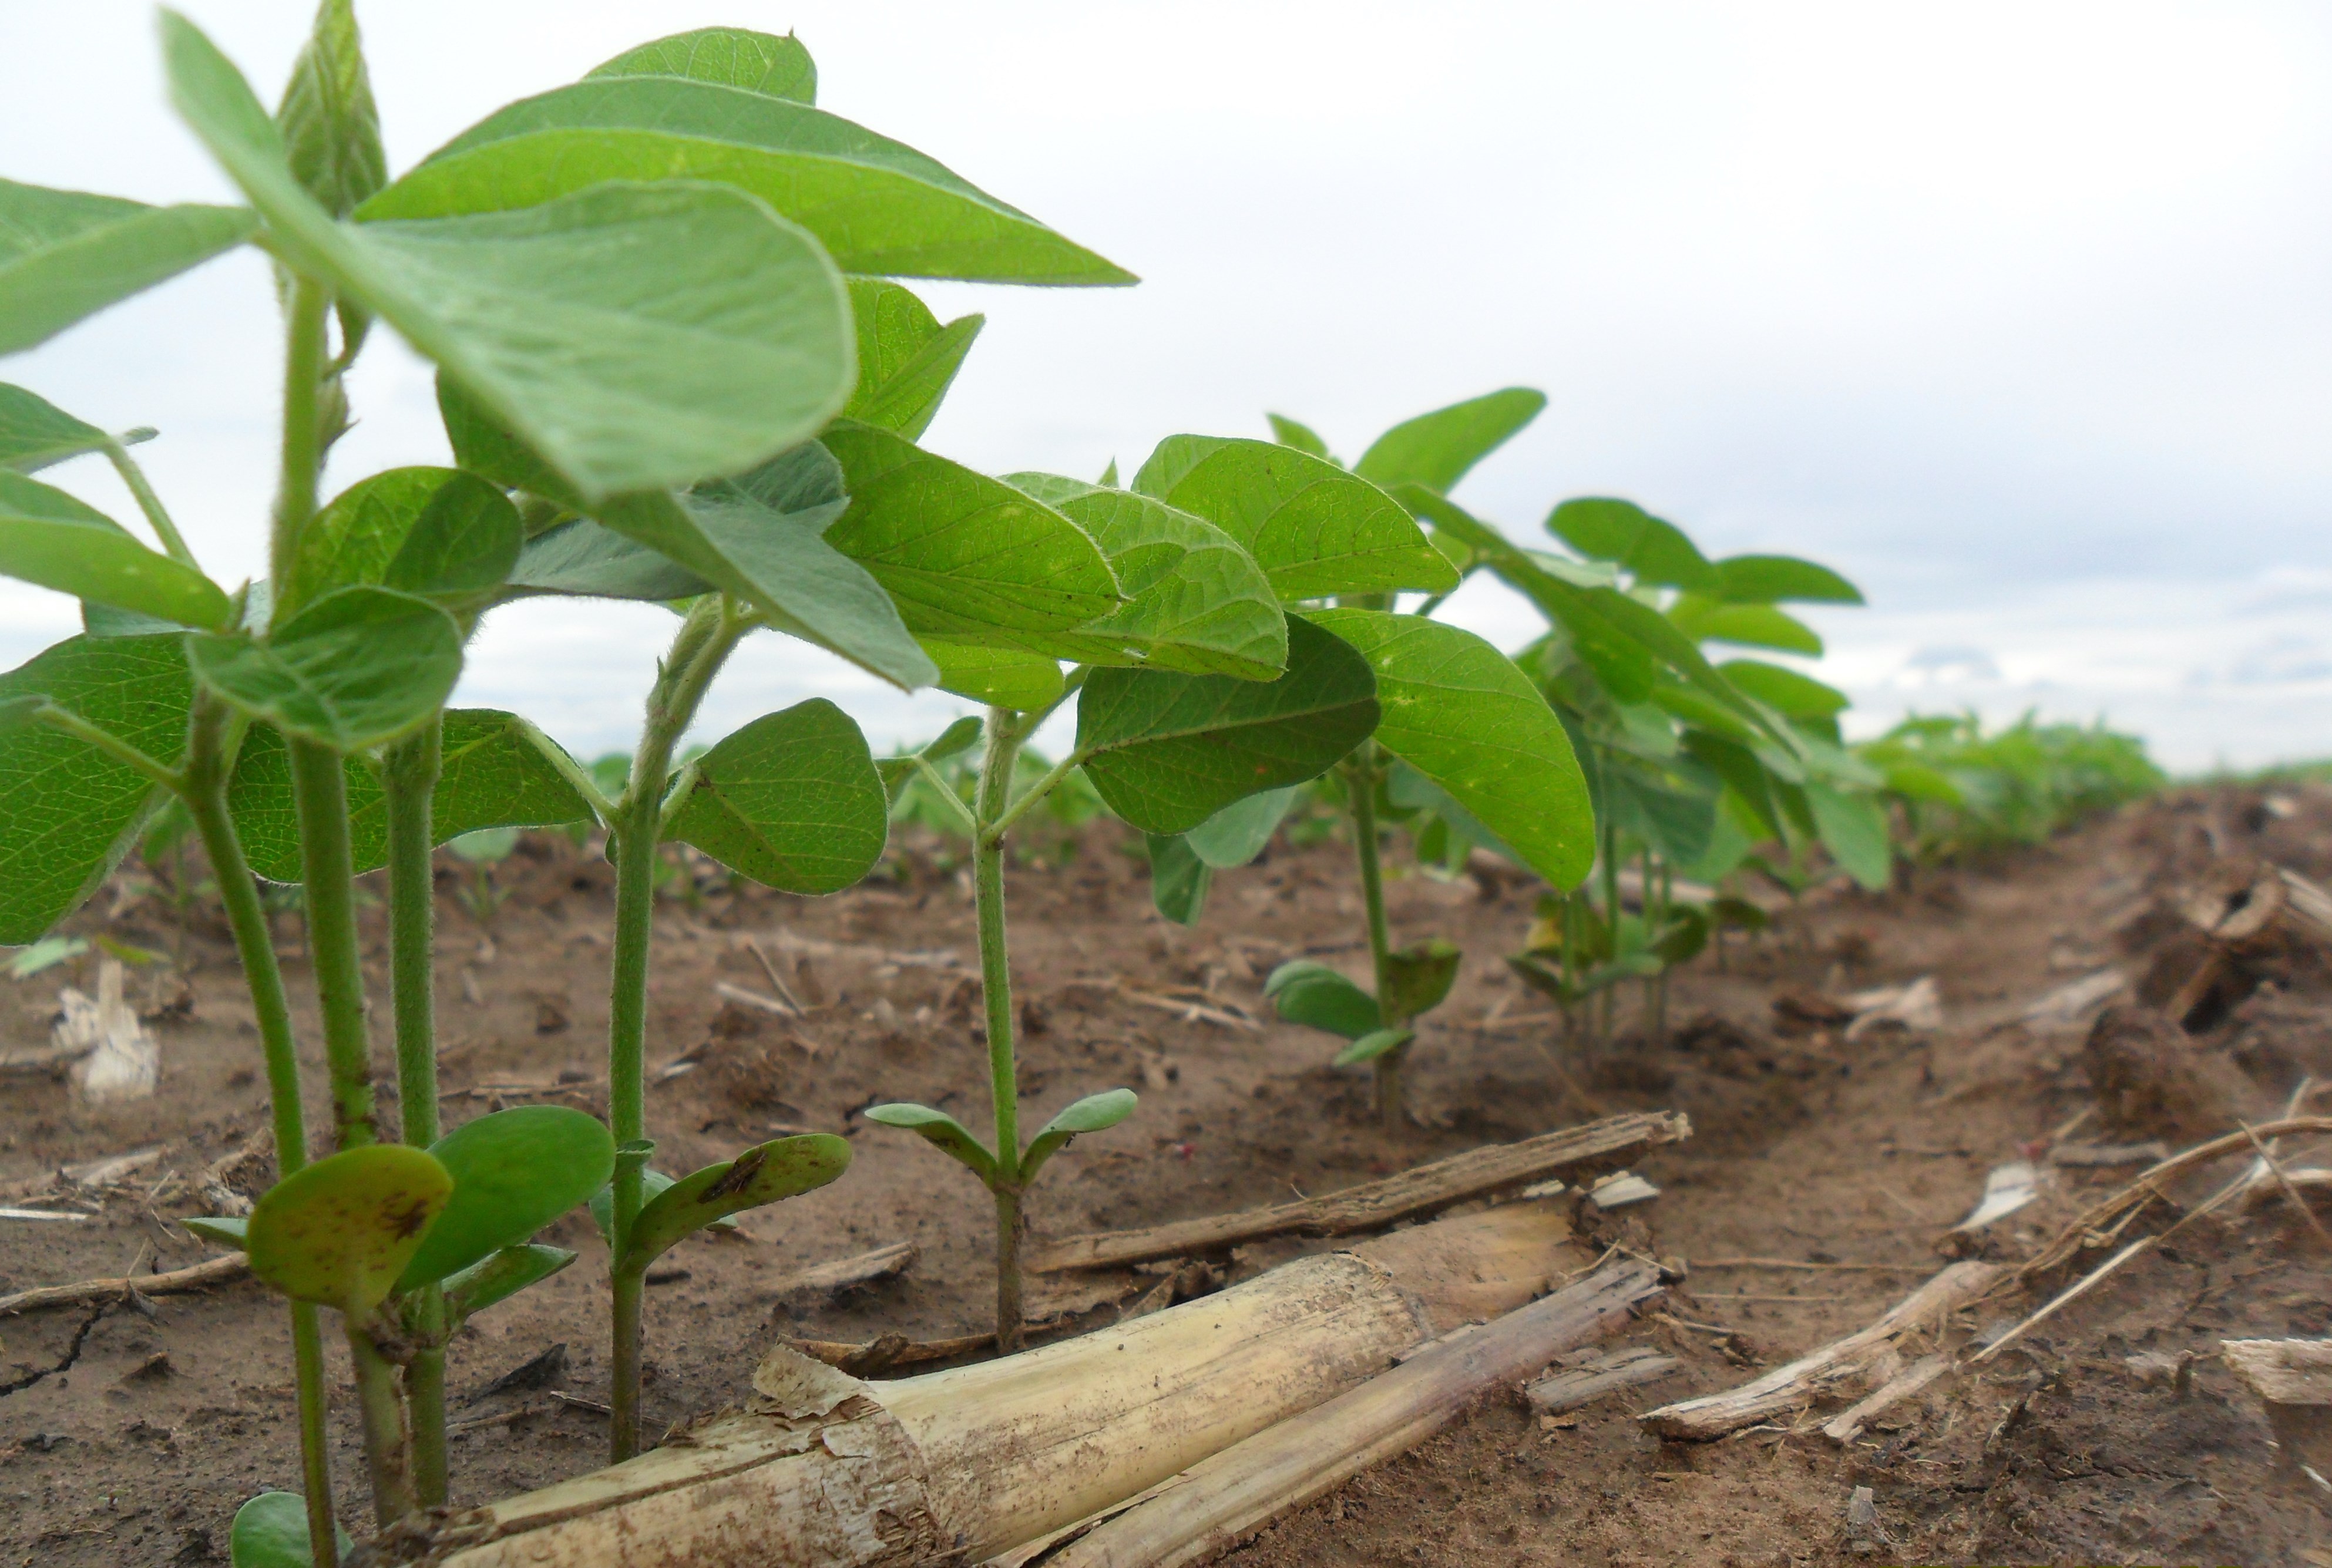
x=1464 y=735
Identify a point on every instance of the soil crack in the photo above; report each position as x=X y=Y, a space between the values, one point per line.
x=72 y=1354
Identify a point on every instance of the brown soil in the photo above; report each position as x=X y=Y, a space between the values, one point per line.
x=129 y=1436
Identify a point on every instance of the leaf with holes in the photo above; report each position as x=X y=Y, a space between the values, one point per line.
x=792 y=800
x=339 y=1232
x=1166 y=751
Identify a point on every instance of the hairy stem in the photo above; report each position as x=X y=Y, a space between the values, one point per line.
x=698 y=652
x=302 y=450
x=209 y=761
x=1361 y=788
x=1003 y=749
x=387 y=1444
x=157 y=516
x=409 y=783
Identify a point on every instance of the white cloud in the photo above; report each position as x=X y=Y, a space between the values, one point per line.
x=2015 y=313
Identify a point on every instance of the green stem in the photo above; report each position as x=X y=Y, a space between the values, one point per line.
x=1005 y=734
x=386 y=1442
x=1361 y=788
x=698 y=652
x=409 y=783
x=156 y=515
x=209 y=763
x=321 y=799
x=101 y=740
x=1037 y=791
x=302 y=456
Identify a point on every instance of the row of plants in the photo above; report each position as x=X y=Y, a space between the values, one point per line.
x=675 y=365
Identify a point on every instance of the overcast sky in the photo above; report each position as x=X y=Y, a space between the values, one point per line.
x=2021 y=315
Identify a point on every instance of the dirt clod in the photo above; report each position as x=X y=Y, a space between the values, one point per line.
x=2151 y=1080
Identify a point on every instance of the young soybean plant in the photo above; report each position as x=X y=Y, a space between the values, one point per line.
x=1466 y=731
x=1201 y=691
x=784 y=544
x=582 y=323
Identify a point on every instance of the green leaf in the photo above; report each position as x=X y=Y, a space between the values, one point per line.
x=1166 y=751
x=66 y=254
x=1920 y=781
x=68 y=814
x=883 y=209
x=1196 y=601
x=1618 y=637
x=1654 y=549
x=271 y=1530
x=500 y=1276
x=1765 y=579
x=1238 y=833
x=906 y=359
x=766 y=1173
x=589 y=560
x=492 y=775
x=1785 y=691
x=759 y=63
x=226 y=1229
x=1302 y=436
x=330 y=127
x=1417 y=978
x=1312 y=994
x=339 y=1232
x=1853 y=828
x=638 y=336
x=1372 y=1044
x=57 y=541
x=1316 y=530
x=1677 y=823
x=999 y=677
x=422 y=530
x=651 y=1182
x=514 y=1171
x=955 y=740
x=1458 y=711
x=1754 y=625
x=35 y=432
x=359 y=666
x=1094 y=1114
x=1437 y=449
x=940 y=1130
x=792 y=800
x=1179 y=879
x=966 y=558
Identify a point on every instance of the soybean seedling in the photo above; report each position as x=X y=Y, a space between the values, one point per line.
x=792 y=800
x=1463 y=729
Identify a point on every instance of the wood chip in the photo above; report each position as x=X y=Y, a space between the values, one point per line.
x=2064 y=1007
x=1575 y=1386
x=119 y=1057
x=2006 y=1188
x=1373 y=1205
x=209 y=1272
x=755 y=1000
x=842 y=1273
x=1894 y=1391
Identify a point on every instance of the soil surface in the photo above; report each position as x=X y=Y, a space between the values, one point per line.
x=130 y=1431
